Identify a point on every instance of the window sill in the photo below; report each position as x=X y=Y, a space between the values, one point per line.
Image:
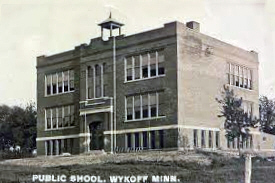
x=144 y=119
x=63 y=128
x=246 y=89
x=142 y=79
x=59 y=94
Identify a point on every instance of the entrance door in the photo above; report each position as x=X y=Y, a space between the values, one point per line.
x=97 y=139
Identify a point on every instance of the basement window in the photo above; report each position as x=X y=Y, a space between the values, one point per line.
x=136 y=139
x=203 y=138
x=195 y=137
x=129 y=140
x=145 y=140
x=217 y=139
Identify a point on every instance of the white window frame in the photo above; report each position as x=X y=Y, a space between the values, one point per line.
x=57 y=85
x=243 y=76
x=140 y=67
x=57 y=120
x=141 y=107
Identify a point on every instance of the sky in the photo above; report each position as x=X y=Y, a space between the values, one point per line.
x=30 y=28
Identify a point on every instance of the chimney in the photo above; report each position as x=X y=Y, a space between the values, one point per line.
x=193 y=25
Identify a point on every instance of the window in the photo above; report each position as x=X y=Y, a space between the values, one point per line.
x=54 y=117
x=137 y=67
x=129 y=140
x=90 y=82
x=66 y=81
x=236 y=72
x=161 y=139
x=129 y=69
x=90 y=71
x=217 y=139
x=228 y=73
x=59 y=82
x=96 y=81
x=145 y=140
x=145 y=65
x=245 y=80
x=145 y=113
x=148 y=109
x=66 y=116
x=104 y=79
x=49 y=118
x=72 y=119
x=153 y=66
x=49 y=84
x=210 y=139
x=161 y=105
x=249 y=74
x=195 y=137
x=59 y=117
x=53 y=143
x=153 y=139
x=153 y=104
x=239 y=76
x=137 y=107
x=54 y=83
x=137 y=139
x=161 y=70
x=58 y=146
x=71 y=80
x=203 y=138
x=129 y=108
x=48 y=148
x=66 y=145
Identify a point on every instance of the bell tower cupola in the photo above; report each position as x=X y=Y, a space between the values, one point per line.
x=111 y=25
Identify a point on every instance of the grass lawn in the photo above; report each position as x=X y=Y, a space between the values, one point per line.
x=187 y=166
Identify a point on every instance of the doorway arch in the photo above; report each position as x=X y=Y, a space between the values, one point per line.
x=96 y=135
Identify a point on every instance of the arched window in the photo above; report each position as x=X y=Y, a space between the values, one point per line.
x=97 y=81
x=105 y=73
x=90 y=82
x=90 y=71
x=97 y=70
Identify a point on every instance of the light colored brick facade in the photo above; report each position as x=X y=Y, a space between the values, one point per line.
x=195 y=73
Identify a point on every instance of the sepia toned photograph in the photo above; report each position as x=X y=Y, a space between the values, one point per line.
x=137 y=91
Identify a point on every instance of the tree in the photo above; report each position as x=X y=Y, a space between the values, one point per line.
x=30 y=132
x=18 y=127
x=6 y=136
x=237 y=123
x=267 y=114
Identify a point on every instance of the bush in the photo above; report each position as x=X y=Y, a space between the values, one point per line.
x=7 y=154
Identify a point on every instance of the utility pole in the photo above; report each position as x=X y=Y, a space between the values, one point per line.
x=114 y=107
x=111 y=24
